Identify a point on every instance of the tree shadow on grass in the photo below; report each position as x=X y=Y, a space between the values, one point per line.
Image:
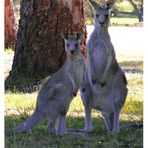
x=23 y=83
x=28 y=84
x=38 y=137
x=132 y=66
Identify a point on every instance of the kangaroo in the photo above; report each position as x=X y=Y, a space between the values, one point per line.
x=105 y=83
x=56 y=94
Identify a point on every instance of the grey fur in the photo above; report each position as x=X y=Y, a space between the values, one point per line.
x=56 y=94
x=105 y=83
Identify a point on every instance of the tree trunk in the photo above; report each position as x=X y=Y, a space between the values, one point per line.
x=138 y=10
x=39 y=47
x=10 y=24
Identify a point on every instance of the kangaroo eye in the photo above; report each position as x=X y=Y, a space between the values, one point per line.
x=76 y=45
x=67 y=45
x=97 y=15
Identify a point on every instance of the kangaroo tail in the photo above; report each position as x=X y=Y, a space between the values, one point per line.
x=30 y=122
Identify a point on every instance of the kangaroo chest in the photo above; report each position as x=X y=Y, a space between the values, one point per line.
x=99 y=57
x=75 y=72
x=98 y=51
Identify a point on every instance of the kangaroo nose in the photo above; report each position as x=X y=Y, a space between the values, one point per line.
x=101 y=23
x=72 y=51
x=102 y=19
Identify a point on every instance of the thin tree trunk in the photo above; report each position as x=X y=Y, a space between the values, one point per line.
x=40 y=48
x=138 y=10
x=10 y=24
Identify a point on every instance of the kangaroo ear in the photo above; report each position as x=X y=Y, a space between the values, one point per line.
x=110 y=4
x=63 y=36
x=94 y=5
x=79 y=35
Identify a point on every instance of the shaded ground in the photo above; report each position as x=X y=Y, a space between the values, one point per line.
x=39 y=138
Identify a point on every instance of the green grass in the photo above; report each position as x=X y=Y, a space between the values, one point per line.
x=40 y=139
x=19 y=106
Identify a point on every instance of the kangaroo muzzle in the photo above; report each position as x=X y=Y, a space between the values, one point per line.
x=72 y=52
x=102 y=19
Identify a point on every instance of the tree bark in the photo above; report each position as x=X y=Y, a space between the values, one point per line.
x=10 y=24
x=39 y=47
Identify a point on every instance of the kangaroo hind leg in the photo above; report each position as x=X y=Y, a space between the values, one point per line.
x=117 y=109
x=115 y=123
x=85 y=95
x=61 y=124
x=108 y=119
x=51 y=127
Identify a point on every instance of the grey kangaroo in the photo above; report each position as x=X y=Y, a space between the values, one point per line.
x=56 y=94
x=105 y=83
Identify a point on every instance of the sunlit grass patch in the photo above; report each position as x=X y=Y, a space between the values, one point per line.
x=9 y=51
x=19 y=103
x=130 y=56
x=123 y=21
x=117 y=21
x=132 y=106
x=132 y=64
x=76 y=104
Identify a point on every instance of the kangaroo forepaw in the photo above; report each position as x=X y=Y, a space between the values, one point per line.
x=74 y=93
x=94 y=80
x=102 y=84
x=83 y=89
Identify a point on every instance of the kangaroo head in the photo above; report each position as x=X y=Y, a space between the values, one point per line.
x=72 y=43
x=101 y=12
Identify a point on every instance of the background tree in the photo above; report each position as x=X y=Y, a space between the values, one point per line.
x=39 y=47
x=119 y=9
x=138 y=9
x=10 y=24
